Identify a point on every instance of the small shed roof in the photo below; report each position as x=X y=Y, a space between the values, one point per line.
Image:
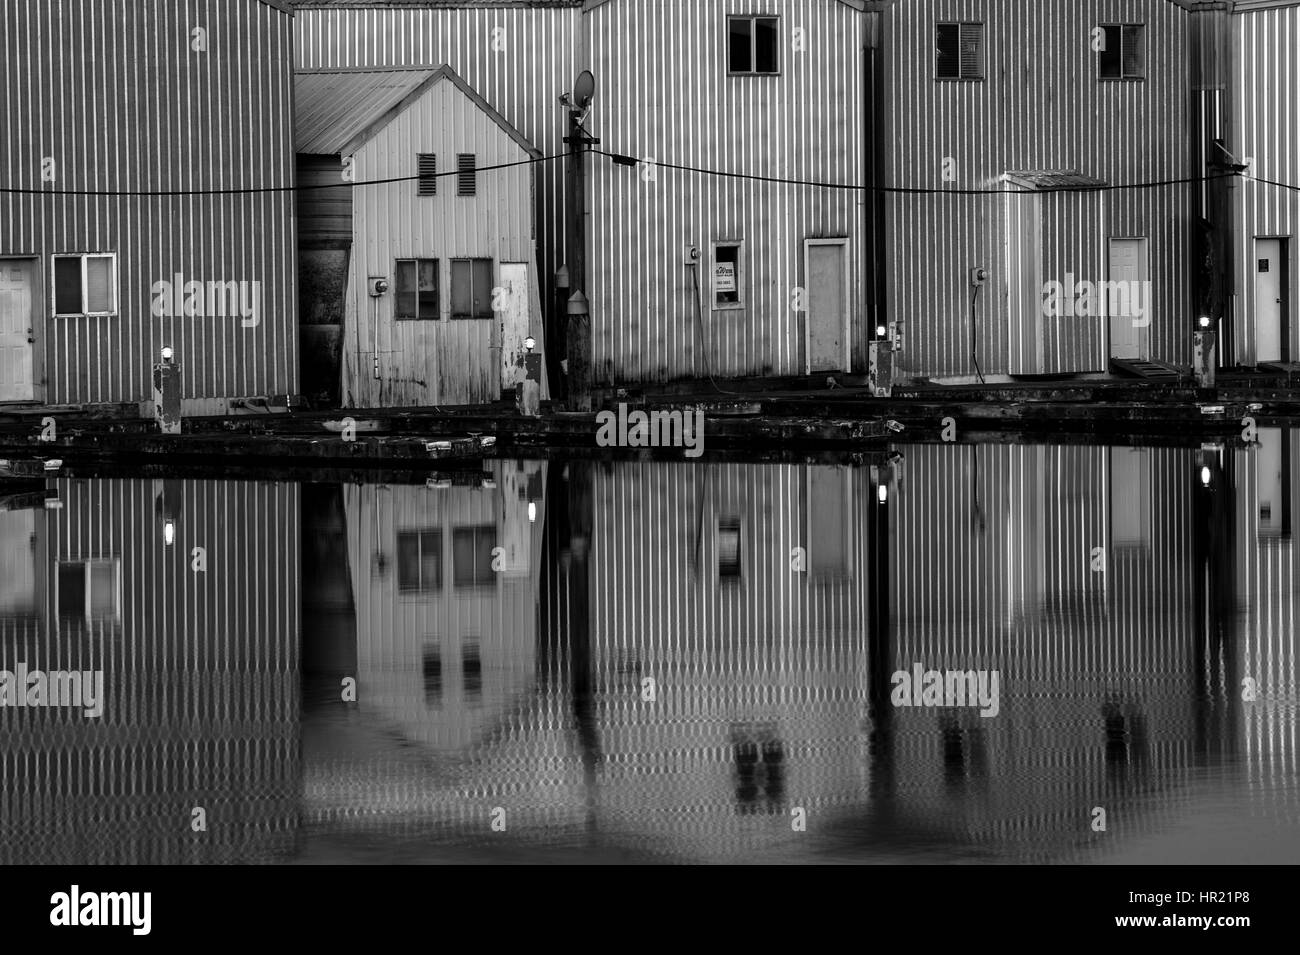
x=338 y=110
x=1048 y=179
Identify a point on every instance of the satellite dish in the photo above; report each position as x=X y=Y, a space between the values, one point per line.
x=584 y=88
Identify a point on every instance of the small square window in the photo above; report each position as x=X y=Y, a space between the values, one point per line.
x=1123 y=53
x=471 y=288
x=753 y=45
x=419 y=562
x=727 y=275
x=959 y=51
x=466 y=175
x=416 y=290
x=90 y=589
x=471 y=556
x=427 y=169
x=85 y=284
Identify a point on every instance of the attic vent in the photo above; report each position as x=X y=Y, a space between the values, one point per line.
x=427 y=164
x=466 y=175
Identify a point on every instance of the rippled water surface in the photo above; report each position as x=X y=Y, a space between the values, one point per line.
x=580 y=661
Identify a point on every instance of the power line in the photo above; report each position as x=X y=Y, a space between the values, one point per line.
x=622 y=160
x=268 y=189
x=1270 y=182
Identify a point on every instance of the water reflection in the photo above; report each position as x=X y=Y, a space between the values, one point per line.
x=666 y=661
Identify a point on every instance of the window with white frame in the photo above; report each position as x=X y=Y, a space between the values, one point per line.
x=85 y=284
x=727 y=277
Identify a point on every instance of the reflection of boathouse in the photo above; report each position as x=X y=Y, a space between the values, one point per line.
x=714 y=645
x=200 y=672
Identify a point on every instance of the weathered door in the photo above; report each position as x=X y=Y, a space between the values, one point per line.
x=17 y=329
x=513 y=315
x=827 y=265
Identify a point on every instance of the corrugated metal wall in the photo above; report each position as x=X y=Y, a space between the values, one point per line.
x=115 y=94
x=519 y=59
x=396 y=627
x=201 y=676
x=432 y=362
x=1268 y=601
x=993 y=566
x=769 y=650
x=664 y=92
x=1040 y=107
x=1265 y=128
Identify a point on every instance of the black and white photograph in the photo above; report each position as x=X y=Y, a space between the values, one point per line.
x=639 y=433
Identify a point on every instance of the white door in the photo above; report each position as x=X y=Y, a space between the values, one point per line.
x=1129 y=321
x=1268 y=300
x=17 y=331
x=826 y=266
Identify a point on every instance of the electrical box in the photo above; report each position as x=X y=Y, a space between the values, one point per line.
x=979 y=276
x=378 y=285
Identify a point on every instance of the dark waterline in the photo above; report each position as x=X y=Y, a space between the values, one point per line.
x=582 y=661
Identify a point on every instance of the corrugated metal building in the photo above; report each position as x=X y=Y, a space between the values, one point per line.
x=1044 y=101
x=1263 y=128
x=519 y=55
x=740 y=88
x=189 y=100
x=431 y=221
x=199 y=655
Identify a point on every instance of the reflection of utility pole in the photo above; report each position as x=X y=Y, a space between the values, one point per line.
x=880 y=652
x=578 y=327
x=1215 y=657
x=565 y=606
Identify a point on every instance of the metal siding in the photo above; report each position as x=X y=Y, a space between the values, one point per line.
x=148 y=114
x=1265 y=128
x=1039 y=107
x=664 y=92
x=423 y=362
x=523 y=82
x=201 y=682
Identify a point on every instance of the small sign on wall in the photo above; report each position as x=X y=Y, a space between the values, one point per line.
x=1264 y=265
x=724 y=277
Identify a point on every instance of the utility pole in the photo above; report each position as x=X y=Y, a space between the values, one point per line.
x=577 y=336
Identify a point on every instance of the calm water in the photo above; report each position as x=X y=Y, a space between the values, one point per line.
x=661 y=661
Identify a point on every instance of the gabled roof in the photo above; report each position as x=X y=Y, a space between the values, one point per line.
x=339 y=109
x=1052 y=179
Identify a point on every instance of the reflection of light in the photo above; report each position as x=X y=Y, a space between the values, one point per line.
x=532 y=511
x=882 y=493
x=169 y=532
x=1205 y=476
x=167 y=353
